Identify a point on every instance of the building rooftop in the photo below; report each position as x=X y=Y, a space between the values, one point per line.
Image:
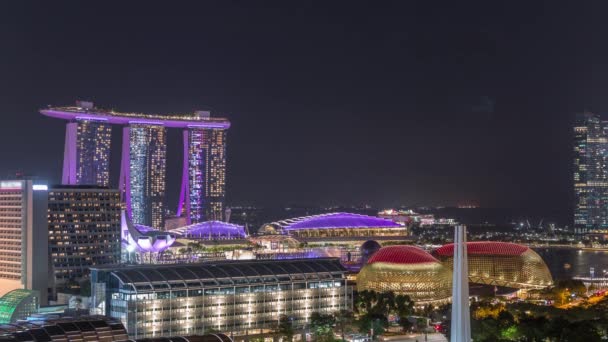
x=227 y=271
x=122 y=118
x=484 y=248
x=336 y=220
x=212 y=229
x=56 y=187
x=401 y=255
x=11 y=301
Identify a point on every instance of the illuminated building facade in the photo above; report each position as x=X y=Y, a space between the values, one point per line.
x=143 y=239
x=335 y=225
x=82 y=328
x=143 y=165
x=204 y=179
x=24 y=242
x=86 y=159
x=211 y=230
x=85 y=328
x=501 y=264
x=227 y=296
x=17 y=305
x=147 y=166
x=83 y=230
x=590 y=173
x=406 y=270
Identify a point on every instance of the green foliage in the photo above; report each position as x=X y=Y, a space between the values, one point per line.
x=367 y=322
x=375 y=307
x=405 y=323
x=527 y=322
x=509 y=333
x=321 y=326
x=285 y=328
x=343 y=319
x=383 y=303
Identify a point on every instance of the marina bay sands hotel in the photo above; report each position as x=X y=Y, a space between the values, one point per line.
x=143 y=166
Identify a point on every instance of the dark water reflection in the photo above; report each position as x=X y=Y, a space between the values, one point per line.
x=580 y=262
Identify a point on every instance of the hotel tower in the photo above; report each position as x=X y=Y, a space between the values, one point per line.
x=144 y=159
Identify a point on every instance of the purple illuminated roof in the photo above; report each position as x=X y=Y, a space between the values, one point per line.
x=144 y=229
x=143 y=238
x=212 y=230
x=110 y=116
x=337 y=220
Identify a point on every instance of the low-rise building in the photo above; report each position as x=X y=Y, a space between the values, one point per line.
x=227 y=296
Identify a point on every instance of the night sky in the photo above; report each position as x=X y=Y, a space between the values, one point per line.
x=384 y=103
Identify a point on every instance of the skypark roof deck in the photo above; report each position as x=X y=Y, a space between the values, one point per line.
x=193 y=120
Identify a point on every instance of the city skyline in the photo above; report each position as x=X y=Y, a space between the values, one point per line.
x=311 y=171
x=420 y=105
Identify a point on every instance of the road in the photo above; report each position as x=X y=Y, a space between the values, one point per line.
x=415 y=337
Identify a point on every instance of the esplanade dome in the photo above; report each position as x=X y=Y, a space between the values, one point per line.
x=502 y=264
x=406 y=270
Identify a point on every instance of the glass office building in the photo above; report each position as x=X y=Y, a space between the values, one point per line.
x=590 y=173
x=227 y=296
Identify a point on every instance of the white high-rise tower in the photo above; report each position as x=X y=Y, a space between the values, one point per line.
x=461 y=320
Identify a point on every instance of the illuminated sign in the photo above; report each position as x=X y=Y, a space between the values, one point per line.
x=40 y=187
x=10 y=185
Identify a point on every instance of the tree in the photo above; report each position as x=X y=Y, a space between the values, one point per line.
x=532 y=329
x=581 y=331
x=364 y=301
x=404 y=306
x=573 y=286
x=321 y=326
x=405 y=323
x=343 y=319
x=375 y=322
x=285 y=328
x=421 y=323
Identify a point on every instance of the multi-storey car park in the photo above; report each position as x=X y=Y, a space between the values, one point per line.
x=241 y=298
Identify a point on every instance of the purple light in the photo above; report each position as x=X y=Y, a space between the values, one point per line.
x=124 y=183
x=184 y=194
x=145 y=122
x=69 y=154
x=91 y=118
x=143 y=238
x=212 y=230
x=126 y=119
x=340 y=220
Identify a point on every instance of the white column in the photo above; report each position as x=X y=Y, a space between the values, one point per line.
x=461 y=320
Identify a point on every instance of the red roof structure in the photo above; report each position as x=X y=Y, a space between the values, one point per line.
x=484 y=248
x=401 y=255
